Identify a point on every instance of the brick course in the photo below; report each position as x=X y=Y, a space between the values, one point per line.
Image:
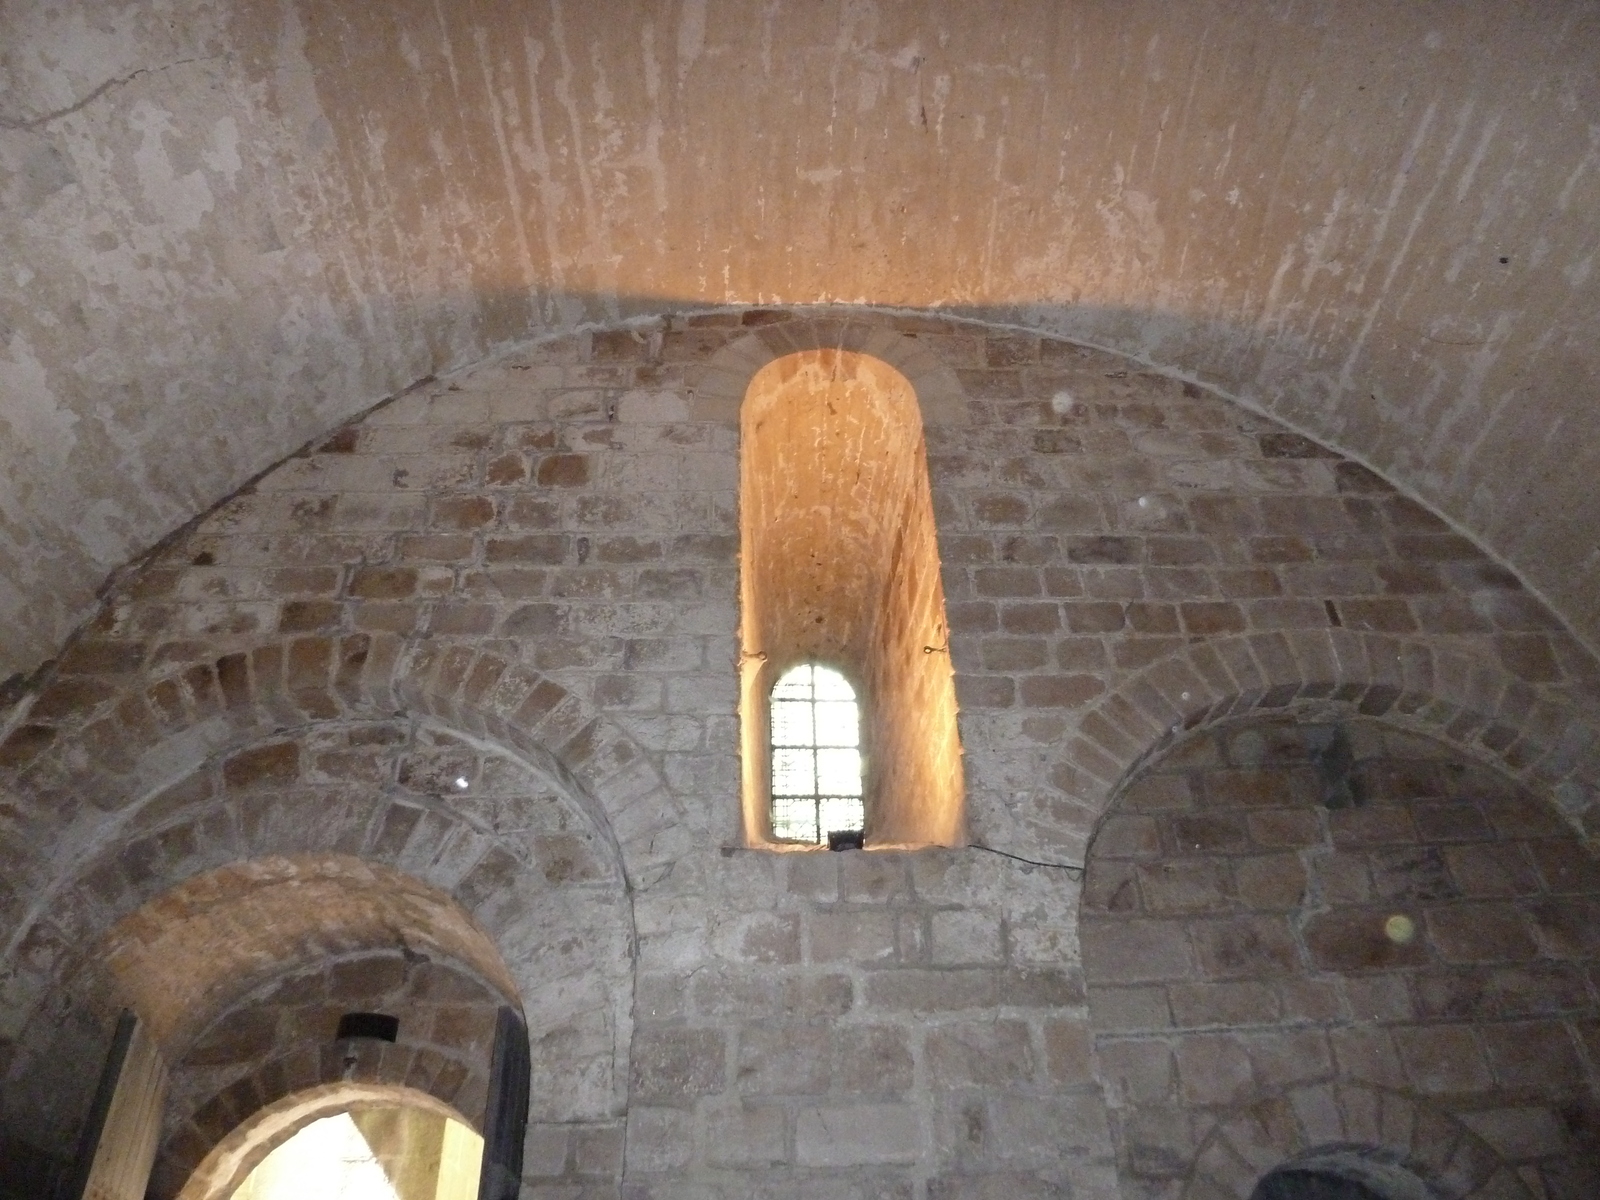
x=527 y=576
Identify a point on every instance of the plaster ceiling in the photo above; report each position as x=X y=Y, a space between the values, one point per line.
x=227 y=226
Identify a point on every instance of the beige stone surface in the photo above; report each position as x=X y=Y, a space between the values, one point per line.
x=228 y=226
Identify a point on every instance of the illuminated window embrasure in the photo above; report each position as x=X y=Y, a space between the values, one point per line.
x=816 y=755
x=839 y=564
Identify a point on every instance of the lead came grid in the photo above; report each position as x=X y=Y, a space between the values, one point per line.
x=816 y=756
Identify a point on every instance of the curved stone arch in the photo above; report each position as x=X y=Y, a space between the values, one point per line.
x=453 y=1071
x=222 y=1167
x=1269 y=1132
x=129 y=743
x=198 y=827
x=1382 y=1172
x=259 y=918
x=1541 y=738
x=717 y=388
x=136 y=742
x=190 y=954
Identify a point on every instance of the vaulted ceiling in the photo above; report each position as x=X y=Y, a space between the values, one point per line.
x=227 y=225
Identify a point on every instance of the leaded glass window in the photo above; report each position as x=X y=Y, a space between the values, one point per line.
x=816 y=755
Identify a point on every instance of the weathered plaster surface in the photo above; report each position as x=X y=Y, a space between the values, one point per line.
x=226 y=227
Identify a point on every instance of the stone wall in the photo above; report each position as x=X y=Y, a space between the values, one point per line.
x=526 y=577
x=865 y=1020
x=1272 y=915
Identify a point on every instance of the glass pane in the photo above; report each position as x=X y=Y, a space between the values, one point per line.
x=831 y=685
x=839 y=772
x=838 y=723
x=816 y=760
x=795 y=684
x=794 y=773
x=791 y=723
x=795 y=820
x=841 y=814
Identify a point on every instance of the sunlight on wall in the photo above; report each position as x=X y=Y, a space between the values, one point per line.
x=839 y=566
x=375 y=1154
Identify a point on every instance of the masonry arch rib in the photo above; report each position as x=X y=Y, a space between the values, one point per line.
x=1542 y=737
x=1348 y=1117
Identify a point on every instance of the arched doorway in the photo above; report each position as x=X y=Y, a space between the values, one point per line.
x=345 y=1141
x=387 y=1153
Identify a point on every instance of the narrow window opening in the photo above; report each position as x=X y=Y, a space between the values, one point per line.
x=816 y=756
x=840 y=600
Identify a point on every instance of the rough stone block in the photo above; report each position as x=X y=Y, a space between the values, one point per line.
x=1443 y=1058
x=873 y=877
x=1214 y=1069
x=853 y=935
x=1176 y=886
x=966 y=939
x=674 y=1066
x=597 y=1149
x=1137 y=1071
x=1533 y=1055
x=871 y=1060
x=1355 y=940
x=782 y=1060
x=772 y=938
x=1068 y=1045
x=1032 y=1131
x=1158 y=1146
x=1378 y=997
x=858 y=1135
x=924 y=991
x=1135 y=950
x=986 y=1054
x=1481 y=933
x=1270 y=881
x=1119 y=1009
x=659 y=1139
x=1286 y=1057
x=748 y=1136
x=1241 y=1003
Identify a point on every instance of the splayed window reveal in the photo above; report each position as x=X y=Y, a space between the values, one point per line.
x=839 y=565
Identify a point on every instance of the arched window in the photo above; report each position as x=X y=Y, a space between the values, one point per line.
x=816 y=755
x=839 y=565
